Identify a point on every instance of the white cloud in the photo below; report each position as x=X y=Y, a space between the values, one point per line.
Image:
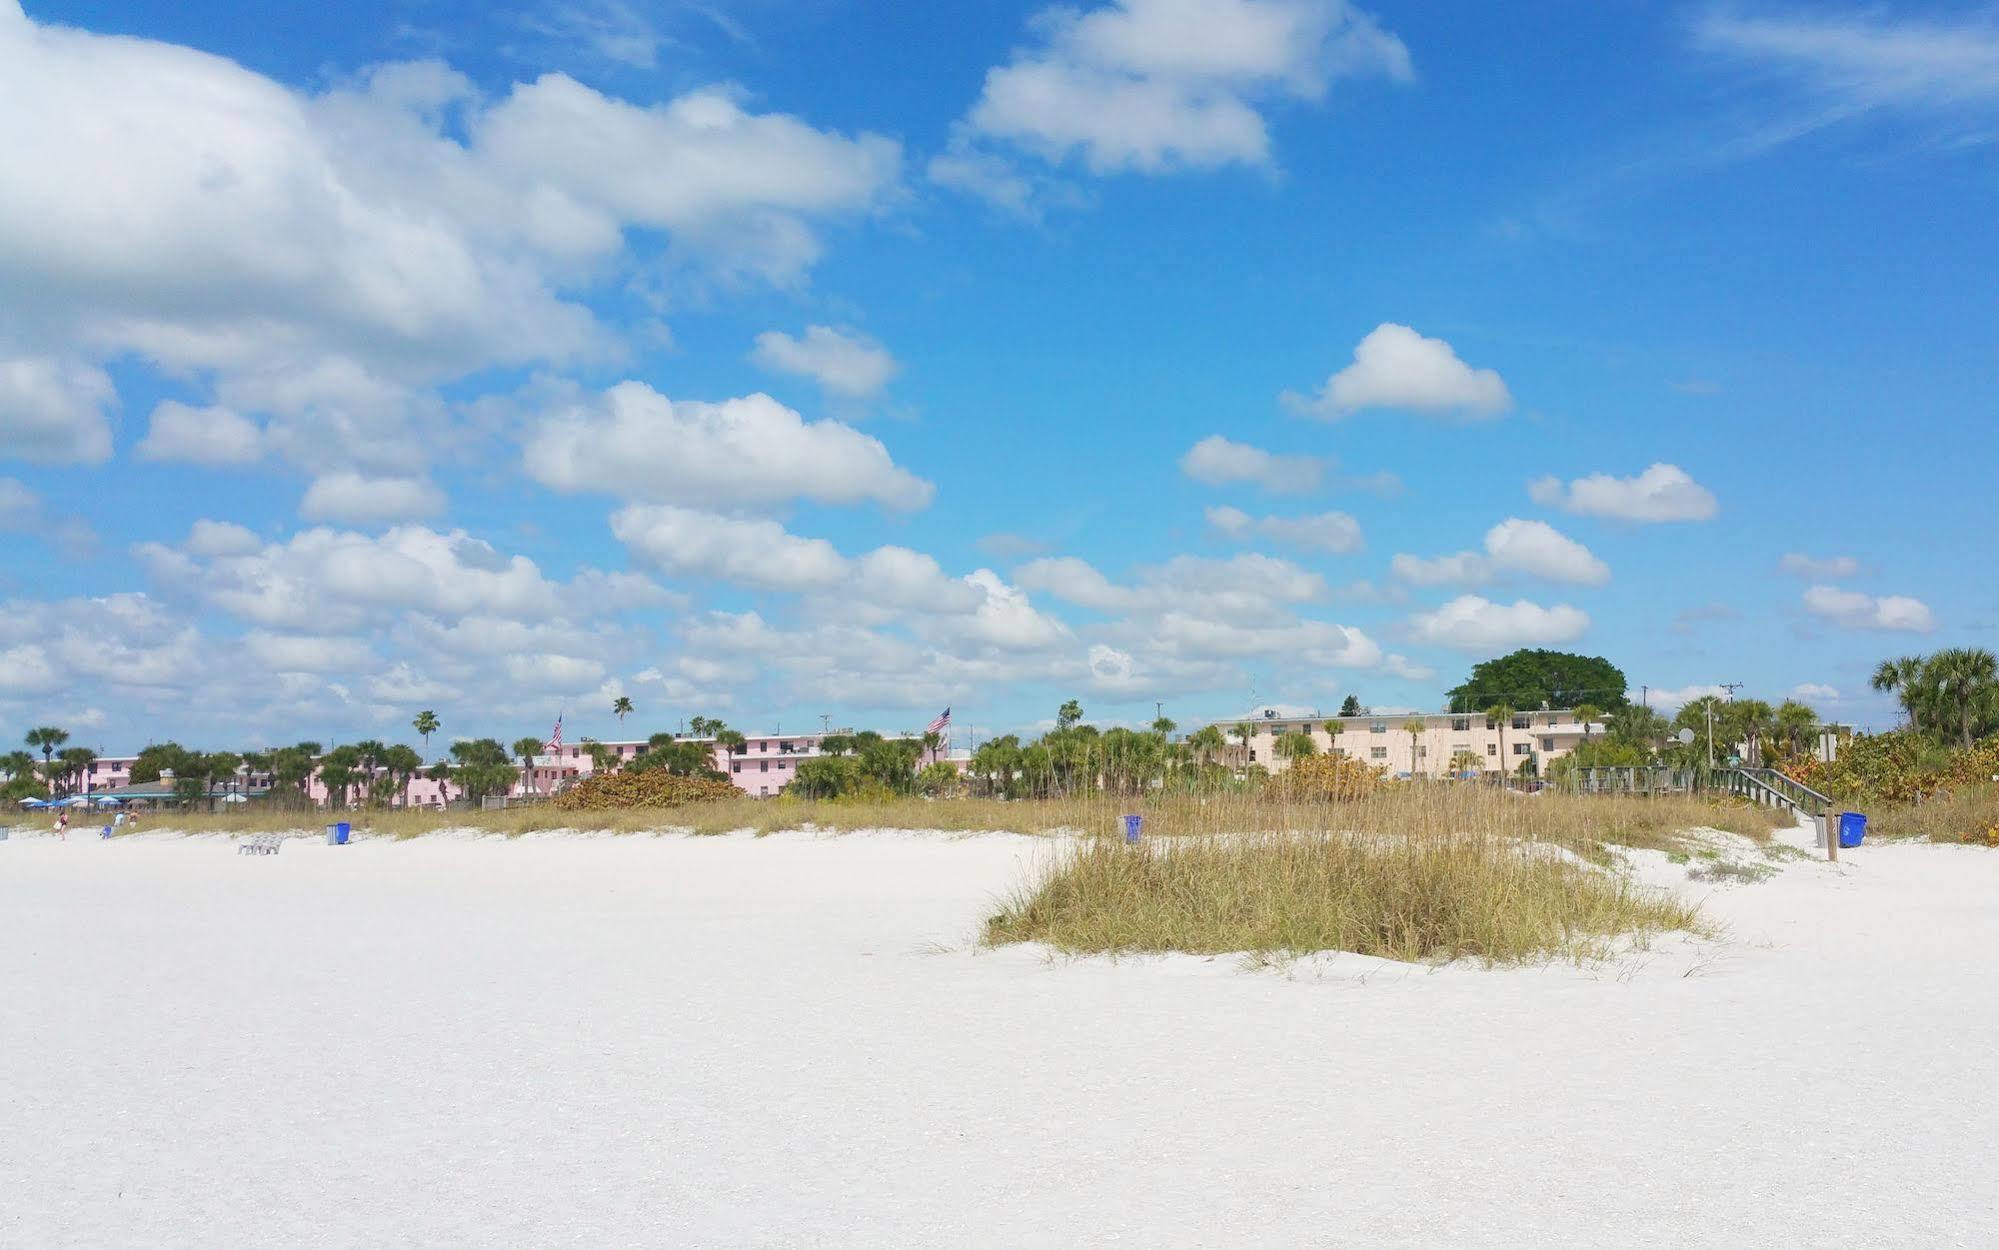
x=1831 y=568
x=755 y=553
x=1466 y=568
x=1395 y=367
x=1852 y=609
x=399 y=224
x=325 y=580
x=350 y=497
x=1670 y=699
x=843 y=362
x=210 y=436
x=1532 y=548
x=1334 y=532
x=551 y=671
x=1663 y=492
x=1473 y=623
x=51 y=411
x=1242 y=587
x=27 y=669
x=1852 y=62
x=220 y=538
x=1814 y=690
x=1158 y=86
x=20 y=508
x=1402 y=666
x=1540 y=550
x=1217 y=461
x=742 y=452
x=307 y=653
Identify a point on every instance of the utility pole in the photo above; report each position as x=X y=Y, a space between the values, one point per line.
x=825 y=724
x=1710 y=735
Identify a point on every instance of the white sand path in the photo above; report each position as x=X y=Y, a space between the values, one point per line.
x=732 y=1041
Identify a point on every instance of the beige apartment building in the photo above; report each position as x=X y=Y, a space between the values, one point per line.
x=1417 y=744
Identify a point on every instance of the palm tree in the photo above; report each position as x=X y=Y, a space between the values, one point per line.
x=730 y=741
x=402 y=765
x=1795 y=721
x=426 y=723
x=1502 y=716
x=602 y=758
x=76 y=761
x=1754 y=720
x=46 y=739
x=440 y=772
x=17 y=763
x=1415 y=727
x=1205 y=741
x=1068 y=715
x=621 y=707
x=1243 y=731
x=527 y=749
x=1586 y=713
x=1964 y=678
x=1466 y=762
x=1296 y=746
x=1904 y=674
x=931 y=741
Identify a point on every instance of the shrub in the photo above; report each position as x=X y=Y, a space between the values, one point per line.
x=1339 y=778
x=656 y=788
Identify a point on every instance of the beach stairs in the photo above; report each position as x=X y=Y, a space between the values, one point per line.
x=1773 y=789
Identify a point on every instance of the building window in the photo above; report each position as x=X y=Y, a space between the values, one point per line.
x=1547 y=744
x=763 y=766
x=1422 y=753
x=1461 y=748
x=1378 y=727
x=1520 y=722
x=1523 y=748
x=736 y=767
x=763 y=792
x=1492 y=748
x=1305 y=728
x=1461 y=723
x=1377 y=753
x=1252 y=755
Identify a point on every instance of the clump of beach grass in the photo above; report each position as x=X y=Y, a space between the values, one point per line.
x=1429 y=899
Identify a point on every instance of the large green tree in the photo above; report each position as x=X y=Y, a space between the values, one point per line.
x=1530 y=678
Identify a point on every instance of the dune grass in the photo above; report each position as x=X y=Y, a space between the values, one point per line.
x=1580 y=823
x=1965 y=814
x=1280 y=894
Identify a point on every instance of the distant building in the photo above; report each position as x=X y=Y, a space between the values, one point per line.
x=764 y=767
x=1385 y=740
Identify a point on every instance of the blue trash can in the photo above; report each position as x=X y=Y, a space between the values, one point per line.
x=336 y=834
x=1132 y=825
x=1852 y=828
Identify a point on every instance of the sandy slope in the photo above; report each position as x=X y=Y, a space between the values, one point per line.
x=597 y=1041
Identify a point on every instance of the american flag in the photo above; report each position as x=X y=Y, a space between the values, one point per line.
x=555 y=739
x=943 y=719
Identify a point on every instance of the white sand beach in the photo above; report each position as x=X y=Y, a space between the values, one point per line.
x=787 y=1041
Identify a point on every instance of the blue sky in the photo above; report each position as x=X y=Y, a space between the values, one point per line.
x=770 y=360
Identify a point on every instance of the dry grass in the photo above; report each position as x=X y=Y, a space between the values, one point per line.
x=1579 y=823
x=1419 y=898
x=1965 y=814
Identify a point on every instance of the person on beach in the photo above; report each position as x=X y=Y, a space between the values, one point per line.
x=62 y=826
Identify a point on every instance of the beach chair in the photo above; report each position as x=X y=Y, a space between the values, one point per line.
x=262 y=844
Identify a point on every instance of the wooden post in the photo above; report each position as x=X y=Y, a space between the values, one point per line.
x=1831 y=834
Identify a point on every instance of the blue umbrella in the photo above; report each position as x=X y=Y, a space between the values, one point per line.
x=108 y=800
x=77 y=801
x=33 y=803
